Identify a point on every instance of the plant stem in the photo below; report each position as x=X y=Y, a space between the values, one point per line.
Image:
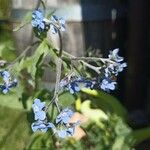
x=103 y=60
x=58 y=73
x=21 y=55
x=96 y=69
x=58 y=76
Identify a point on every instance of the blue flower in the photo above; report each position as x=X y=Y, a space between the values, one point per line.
x=6 y=76
x=63 y=83
x=38 y=109
x=107 y=85
x=37 y=19
x=73 y=87
x=114 y=55
x=64 y=116
x=68 y=132
x=114 y=69
x=76 y=83
x=57 y=23
x=88 y=84
x=6 y=86
x=121 y=66
x=80 y=83
x=41 y=126
x=8 y=83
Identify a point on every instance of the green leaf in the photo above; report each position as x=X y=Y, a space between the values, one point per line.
x=95 y=115
x=27 y=19
x=110 y=103
x=33 y=62
x=139 y=135
x=42 y=50
x=66 y=99
x=7 y=50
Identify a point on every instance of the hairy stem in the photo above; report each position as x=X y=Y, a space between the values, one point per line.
x=58 y=72
x=96 y=69
x=58 y=76
x=103 y=60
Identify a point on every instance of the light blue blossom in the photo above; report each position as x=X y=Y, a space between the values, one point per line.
x=121 y=66
x=66 y=132
x=56 y=23
x=69 y=131
x=107 y=85
x=76 y=83
x=38 y=109
x=6 y=86
x=6 y=76
x=114 y=55
x=37 y=19
x=8 y=82
x=41 y=126
x=73 y=87
x=114 y=69
x=64 y=116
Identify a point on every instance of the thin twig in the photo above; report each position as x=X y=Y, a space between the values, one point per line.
x=21 y=55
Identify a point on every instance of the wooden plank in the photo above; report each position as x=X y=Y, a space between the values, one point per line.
x=77 y=13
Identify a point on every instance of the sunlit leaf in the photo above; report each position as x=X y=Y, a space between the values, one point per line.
x=107 y=101
x=95 y=115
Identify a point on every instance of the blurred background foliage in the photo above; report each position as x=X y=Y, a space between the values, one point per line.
x=104 y=120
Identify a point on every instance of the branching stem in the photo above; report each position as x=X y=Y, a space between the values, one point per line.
x=96 y=69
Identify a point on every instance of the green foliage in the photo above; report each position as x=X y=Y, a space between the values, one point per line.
x=95 y=115
x=113 y=135
x=14 y=128
x=7 y=50
x=139 y=136
x=107 y=102
x=66 y=99
x=4 y=9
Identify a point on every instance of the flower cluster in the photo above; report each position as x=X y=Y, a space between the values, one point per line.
x=67 y=129
x=106 y=80
x=41 y=23
x=7 y=82
x=113 y=67
x=37 y=19
x=107 y=84
x=117 y=66
x=57 y=23
x=74 y=84
x=63 y=119
x=41 y=123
